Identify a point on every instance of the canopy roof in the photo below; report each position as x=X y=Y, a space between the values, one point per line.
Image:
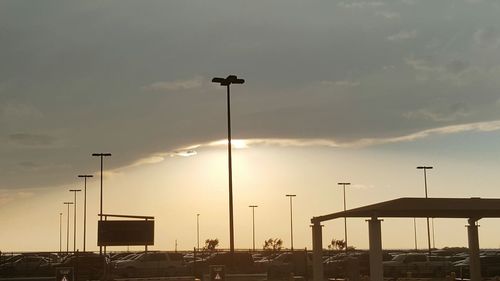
x=475 y=208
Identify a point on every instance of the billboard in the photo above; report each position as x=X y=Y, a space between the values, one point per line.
x=125 y=233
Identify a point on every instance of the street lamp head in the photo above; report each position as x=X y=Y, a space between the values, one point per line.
x=75 y=190
x=85 y=176
x=344 y=183
x=101 y=154
x=425 y=167
x=253 y=206
x=68 y=203
x=231 y=79
x=290 y=195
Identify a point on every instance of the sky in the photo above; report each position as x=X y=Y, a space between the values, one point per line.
x=357 y=91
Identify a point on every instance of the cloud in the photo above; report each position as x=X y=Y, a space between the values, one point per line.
x=18 y=110
x=487 y=37
x=440 y=113
x=31 y=140
x=360 y=4
x=341 y=83
x=403 y=35
x=363 y=142
x=177 y=85
x=7 y=196
x=458 y=72
x=388 y=15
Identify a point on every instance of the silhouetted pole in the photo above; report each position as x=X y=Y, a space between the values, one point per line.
x=198 y=231
x=291 y=220
x=85 y=207
x=253 y=224
x=60 y=233
x=415 y=231
x=74 y=219
x=343 y=184
x=101 y=155
x=231 y=79
x=425 y=168
x=67 y=228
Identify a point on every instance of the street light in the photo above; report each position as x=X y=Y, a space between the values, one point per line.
x=101 y=155
x=85 y=206
x=291 y=220
x=67 y=228
x=253 y=224
x=198 y=231
x=345 y=217
x=74 y=220
x=231 y=79
x=60 y=233
x=425 y=168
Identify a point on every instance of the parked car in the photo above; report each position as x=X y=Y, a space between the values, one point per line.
x=86 y=266
x=239 y=263
x=151 y=264
x=24 y=265
x=490 y=267
x=298 y=263
x=417 y=264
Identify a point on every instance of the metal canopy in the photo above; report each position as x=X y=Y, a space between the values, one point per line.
x=475 y=208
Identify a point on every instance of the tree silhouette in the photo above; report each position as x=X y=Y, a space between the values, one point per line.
x=273 y=245
x=211 y=244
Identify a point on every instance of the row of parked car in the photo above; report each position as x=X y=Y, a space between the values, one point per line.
x=277 y=265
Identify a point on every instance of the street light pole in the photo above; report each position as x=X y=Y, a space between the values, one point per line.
x=231 y=79
x=425 y=168
x=291 y=220
x=85 y=207
x=67 y=227
x=253 y=224
x=198 y=231
x=101 y=155
x=74 y=219
x=343 y=184
x=60 y=233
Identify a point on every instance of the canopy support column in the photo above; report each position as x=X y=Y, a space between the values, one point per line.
x=317 y=239
x=474 y=262
x=375 y=240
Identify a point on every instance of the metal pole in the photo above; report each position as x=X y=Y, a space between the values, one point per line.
x=345 y=217
x=227 y=82
x=74 y=218
x=85 y=208
x=101 y=155
x=60 y=233
x=67 y=227
x=231 y=227
x=415 y=230
x=425 y=185
x=253 y=224
x=198 y=230
x=291 y=220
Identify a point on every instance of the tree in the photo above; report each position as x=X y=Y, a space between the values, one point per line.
x=336 y=244
x=273 y=245
x=211 y=244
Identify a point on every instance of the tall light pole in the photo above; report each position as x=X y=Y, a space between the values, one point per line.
x=67 y=228
x=85 y=207
x=198 y=231
x=101 y=155
x=60 y=233
x=291 y=220
x=425 y=168
x=253 y=224
x=74 y=219
x=231 y=79
x=415 y=231
x=343 y=184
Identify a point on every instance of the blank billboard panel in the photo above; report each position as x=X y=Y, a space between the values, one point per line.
x=125 y=233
